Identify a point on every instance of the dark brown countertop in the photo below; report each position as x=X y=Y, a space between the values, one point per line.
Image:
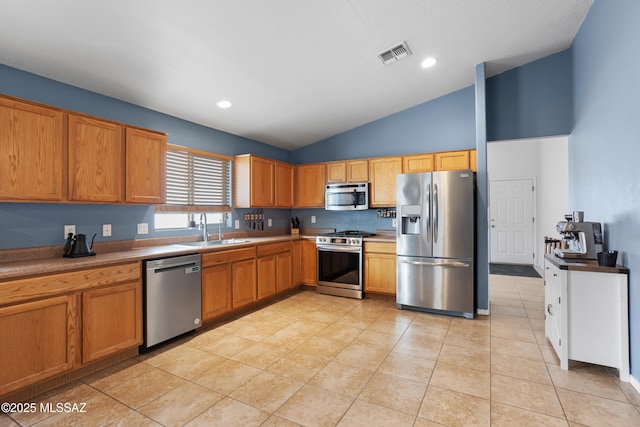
x=584 y=265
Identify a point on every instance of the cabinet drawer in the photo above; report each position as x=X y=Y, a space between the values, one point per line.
x=43 y=286
x=273 y=248
x=216 y=258
x=380 y=247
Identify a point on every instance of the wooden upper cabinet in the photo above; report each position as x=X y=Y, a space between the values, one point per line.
x=418 y=163
x=336 y=172
x=452 y=160
x=382 y=173
x=473 y=161
x=95 y=168
x=348 y=171
x=253 y=182
x=145 y=166
x=32 y=152
x=310 y=182
x=283 y=185
x=358 y=171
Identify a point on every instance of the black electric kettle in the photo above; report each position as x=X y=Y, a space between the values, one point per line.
x=77 y=246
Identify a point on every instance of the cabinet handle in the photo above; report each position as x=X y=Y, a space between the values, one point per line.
x=555 y=275
x=549 y=309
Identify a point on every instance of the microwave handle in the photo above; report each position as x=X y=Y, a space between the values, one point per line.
x=355 y=198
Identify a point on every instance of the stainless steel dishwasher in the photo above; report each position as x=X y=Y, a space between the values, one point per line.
x=173 y=298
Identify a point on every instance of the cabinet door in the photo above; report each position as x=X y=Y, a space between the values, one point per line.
x=243 y=275
x=380 y=273
x=310 y=185
x=262 y=182
x=453 y=160
x=284 y=272
x=216 y=291
x=336 y=172
x=31 y=152
x=418 y=163
x=473 y=162
x=145 y=165
x=284 y=185
x=310 y=264
x=38 y=341
x=553 y=306
x=266 y=276
x=298 y=262
x=95 y=168
x=383 y=180
x=111 y=320
x=358 y=171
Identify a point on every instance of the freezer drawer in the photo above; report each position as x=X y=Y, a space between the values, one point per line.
x=436 y=284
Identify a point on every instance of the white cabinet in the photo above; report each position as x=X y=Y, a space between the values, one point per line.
x=586 y=314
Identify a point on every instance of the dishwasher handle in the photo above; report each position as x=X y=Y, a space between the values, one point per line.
x=188 y=268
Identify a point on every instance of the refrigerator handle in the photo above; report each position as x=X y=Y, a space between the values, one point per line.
x=428 y=216
x=435 y=213
x=438 y=263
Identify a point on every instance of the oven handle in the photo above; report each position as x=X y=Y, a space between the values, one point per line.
x=338 y=249
x=437 y=263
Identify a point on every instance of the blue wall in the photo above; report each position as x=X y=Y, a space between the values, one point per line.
x=531 y=101
x=604 y=145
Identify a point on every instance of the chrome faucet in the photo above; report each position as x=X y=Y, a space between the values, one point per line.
x=220 y=230
x=203 y=227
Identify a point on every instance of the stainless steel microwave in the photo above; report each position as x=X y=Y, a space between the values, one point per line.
x=346 y=196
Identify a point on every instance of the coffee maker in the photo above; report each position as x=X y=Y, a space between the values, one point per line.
x=581 y=240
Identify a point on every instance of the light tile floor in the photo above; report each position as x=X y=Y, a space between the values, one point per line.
x=318 y=360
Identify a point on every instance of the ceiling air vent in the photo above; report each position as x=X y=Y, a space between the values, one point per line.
x=394 y=54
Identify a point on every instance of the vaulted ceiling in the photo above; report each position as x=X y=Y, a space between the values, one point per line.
x=296 y=71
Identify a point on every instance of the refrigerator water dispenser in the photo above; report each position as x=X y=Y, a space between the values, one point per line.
x=410 y=219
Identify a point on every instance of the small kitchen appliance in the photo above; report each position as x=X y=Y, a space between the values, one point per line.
x=340 y=263
x=582 y=240
x=346 y=196
x=77 y=246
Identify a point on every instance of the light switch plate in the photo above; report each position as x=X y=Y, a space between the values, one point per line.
x=237 y=224
x=269 y=222
x=106 y=230
x=313 y=219
x=143 y=228
x=394 y=222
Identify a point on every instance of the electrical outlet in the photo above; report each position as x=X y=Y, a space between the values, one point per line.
x=313 y=219
x=269 y=222
x=106 y=230
x=394 y=222
x=69 y=229
x=143 y=228
x=237 y=224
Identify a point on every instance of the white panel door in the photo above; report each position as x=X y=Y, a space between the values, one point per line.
x=512 y=220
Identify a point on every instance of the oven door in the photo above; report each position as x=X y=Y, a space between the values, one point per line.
x=340 y=266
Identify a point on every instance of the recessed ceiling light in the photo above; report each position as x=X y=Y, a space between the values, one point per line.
x=429 y=62
x=223 y=104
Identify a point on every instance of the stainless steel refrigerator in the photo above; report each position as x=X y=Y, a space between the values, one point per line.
x=435 y=242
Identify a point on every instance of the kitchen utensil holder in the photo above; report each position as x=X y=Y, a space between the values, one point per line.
x=607 y=259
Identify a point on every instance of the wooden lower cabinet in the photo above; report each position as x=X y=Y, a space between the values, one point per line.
x=274 y=268
x=267 y=276
x=111 y=320
x=309 y=262
x=216 y=291
x=38 y=340
x=243 y=274
x=380 y=267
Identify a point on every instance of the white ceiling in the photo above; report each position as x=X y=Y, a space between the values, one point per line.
x=297 y=71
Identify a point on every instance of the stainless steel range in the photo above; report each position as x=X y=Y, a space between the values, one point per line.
x=340 y=263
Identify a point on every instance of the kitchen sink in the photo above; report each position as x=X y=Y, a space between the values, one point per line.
x=212 y=243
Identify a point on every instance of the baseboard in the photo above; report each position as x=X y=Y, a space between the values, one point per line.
x=634 y=383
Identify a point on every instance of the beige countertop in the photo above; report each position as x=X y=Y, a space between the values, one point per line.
x=47 y=265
